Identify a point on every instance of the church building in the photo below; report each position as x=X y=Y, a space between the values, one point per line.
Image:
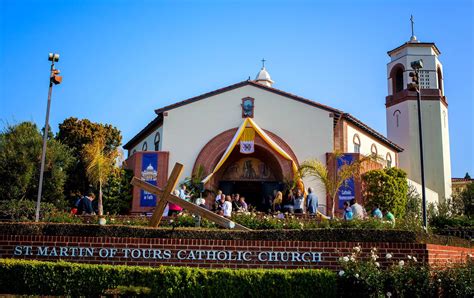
x=250 y=137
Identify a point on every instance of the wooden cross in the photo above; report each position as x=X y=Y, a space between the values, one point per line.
x=166 y=196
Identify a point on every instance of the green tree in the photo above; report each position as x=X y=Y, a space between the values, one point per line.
x=20 y=154
x=118 y=192
x=100 y=164
x=467 y=197
x=386 y=188
x=76 y=133
x=332 y=181
x=467 y=176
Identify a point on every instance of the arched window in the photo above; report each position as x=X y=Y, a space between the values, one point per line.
x=356 y=141
x=397 y=78
x=389 y=160
x=440 y=80
x=157 y=141
x=373 y=150
x=444 y=119
x=145 y=146
x=396 y=114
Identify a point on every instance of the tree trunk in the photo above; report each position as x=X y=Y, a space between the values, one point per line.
x=101 y=208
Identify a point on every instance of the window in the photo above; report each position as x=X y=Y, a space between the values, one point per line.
x=396 y=114
x=356 y=141
x=145 y=146
x=440 y=80
x=373 y=150
x=389 y=160
x=444 y=119
x=397 y=78
x=157 y=141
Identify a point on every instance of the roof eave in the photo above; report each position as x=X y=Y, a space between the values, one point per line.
x=150 y=126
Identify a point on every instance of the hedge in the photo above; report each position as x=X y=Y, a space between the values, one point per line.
x=50 y=278
x=349 y=235
x=62 y=278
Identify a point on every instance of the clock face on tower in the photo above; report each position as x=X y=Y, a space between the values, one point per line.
x=247 y=107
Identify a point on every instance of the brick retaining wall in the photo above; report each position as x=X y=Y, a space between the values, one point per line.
x=214 y=253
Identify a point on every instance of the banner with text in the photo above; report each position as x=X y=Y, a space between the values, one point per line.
x=347 y=190
x=148 y=174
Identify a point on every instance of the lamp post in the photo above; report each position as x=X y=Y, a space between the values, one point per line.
x=54 y=79
x=416 y=66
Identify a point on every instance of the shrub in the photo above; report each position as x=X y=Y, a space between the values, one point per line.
x=62 y=278
x=24 y=210
x=386 y=188
x=405 y=278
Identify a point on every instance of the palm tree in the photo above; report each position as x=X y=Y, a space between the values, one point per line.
x=332 y=181
x=99 y=165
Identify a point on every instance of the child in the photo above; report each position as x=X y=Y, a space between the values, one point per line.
x=347 y=211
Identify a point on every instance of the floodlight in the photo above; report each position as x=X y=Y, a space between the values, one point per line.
x=417 y=64
x=54 y=57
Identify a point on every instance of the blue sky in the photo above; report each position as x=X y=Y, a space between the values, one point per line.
x=122 y=59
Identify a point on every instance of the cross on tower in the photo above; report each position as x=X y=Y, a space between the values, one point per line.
x=263 y=62
x=412 y=20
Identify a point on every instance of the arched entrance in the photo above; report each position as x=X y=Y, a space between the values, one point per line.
x=254 y=175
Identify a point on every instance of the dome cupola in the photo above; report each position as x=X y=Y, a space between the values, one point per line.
x=263 y=77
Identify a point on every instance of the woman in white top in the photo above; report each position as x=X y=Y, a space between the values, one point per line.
x=228 y=207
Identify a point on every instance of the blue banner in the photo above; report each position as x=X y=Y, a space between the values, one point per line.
x=148 y=174
x=347 y=190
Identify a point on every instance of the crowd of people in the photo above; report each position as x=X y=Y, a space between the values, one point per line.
x=292 y=202
x=353 y=210
x=226 y=204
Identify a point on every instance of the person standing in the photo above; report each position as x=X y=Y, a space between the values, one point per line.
x=173 y=208
x=277 y=201
x=228 y=207
x=183 y=194
x=219 y=195
x=312 y=202
x=299 y=202
x=357 y=210
x=289 y=202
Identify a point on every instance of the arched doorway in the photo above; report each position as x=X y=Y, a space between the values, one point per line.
x=266 y=169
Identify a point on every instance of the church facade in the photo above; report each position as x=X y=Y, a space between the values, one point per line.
x=249 y=137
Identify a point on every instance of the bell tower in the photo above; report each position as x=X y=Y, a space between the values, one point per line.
x=402 y=114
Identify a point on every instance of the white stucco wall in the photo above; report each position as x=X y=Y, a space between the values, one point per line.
x=150 y=140
x=437 y=161
x=366 y=142
x=428 y=74
x=431 y=195
x=307 y=130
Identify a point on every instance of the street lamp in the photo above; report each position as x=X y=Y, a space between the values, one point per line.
x=55 y=79
x=415 y=85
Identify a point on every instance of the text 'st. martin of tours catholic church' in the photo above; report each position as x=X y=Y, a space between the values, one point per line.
x=250 y=137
